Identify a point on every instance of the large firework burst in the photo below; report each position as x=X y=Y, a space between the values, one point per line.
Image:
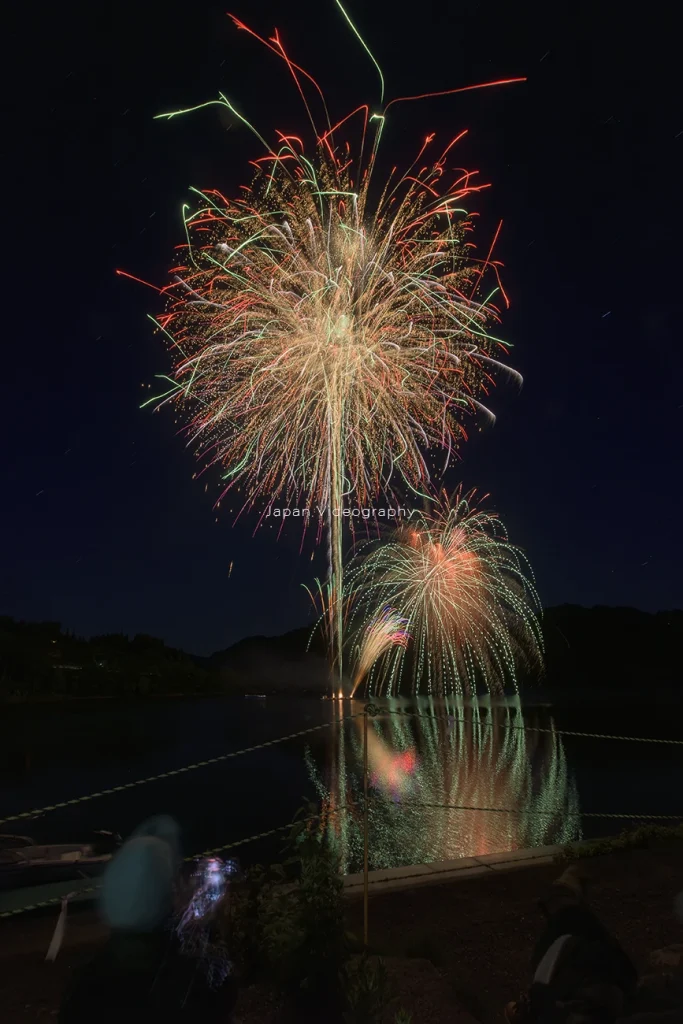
x=326 y=332
x=463 y=592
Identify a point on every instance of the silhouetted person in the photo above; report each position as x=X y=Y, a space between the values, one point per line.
x=581 y=973
x=141 y=974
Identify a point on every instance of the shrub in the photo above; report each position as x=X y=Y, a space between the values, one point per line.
x=643 y=836
x=366 y=988
x=287 y=919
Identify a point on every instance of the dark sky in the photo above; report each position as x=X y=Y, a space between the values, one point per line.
x=103 y=527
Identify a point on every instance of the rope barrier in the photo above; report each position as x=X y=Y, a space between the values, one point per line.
x=53 y=901
x=251 y=839
x=566 y=814
x=373 y=710
x=36 y=812
x=316 y=817
x=44 y=903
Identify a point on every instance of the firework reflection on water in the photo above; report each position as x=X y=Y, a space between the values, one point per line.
x=468 y=756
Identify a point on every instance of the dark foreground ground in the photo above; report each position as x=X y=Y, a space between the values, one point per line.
x=479 y=934
x=454 y=952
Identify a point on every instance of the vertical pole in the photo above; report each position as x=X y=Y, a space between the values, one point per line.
x=335 y=469
x=365 y=830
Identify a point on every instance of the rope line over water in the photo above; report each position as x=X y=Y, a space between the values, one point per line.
x=55 y=900
x=375 y=709
x=558 y=810
x=38 y=811
x=45 y=903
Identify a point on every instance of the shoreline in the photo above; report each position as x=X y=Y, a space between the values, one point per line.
x=528 y=699
x=380 y=880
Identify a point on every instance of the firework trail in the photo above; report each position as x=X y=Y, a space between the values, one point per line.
x=462 y=590
x=383 y=633
x=325 y=332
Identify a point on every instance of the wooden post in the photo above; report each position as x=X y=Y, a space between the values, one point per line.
x=365 y=829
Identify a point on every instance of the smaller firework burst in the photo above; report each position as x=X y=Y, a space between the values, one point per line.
x=463 y=593
x=385 y=631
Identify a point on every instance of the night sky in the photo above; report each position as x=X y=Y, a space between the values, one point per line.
x=104 y=528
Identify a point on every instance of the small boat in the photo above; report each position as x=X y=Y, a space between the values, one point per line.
x=23 y=862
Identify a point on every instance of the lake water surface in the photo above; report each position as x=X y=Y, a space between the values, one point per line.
x=457 y=780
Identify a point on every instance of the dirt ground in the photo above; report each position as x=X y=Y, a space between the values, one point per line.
x=469 y=942
x=480 y=934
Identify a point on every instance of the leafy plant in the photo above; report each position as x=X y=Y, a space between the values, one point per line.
x=287 y=919
x=287 y=926
x=366 y=987
x=319 y=896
